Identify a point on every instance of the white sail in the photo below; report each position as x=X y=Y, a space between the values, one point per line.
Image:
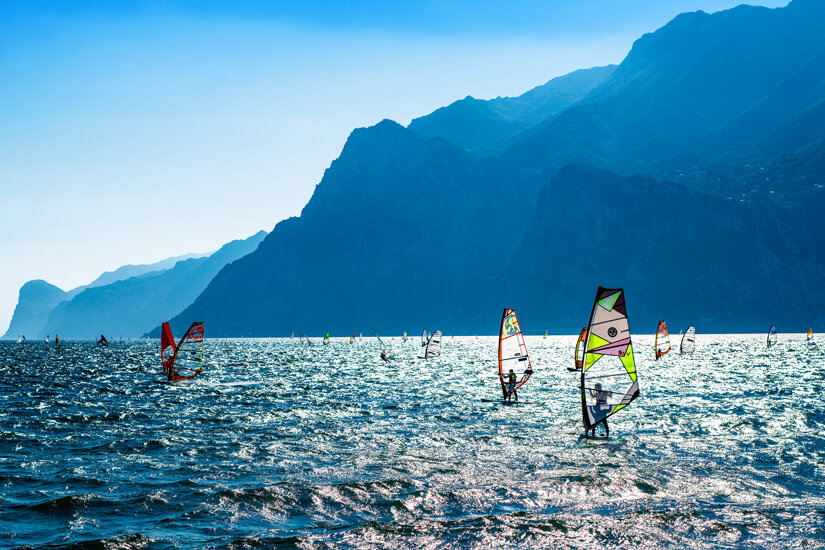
x=688 y=344
x=433 y=345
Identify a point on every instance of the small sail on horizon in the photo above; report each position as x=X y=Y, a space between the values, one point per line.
x=688 y=344
x=405 y=335
x=352 y=337
x=184 y=360
x=772 y=337
x=809 y=338
x=512 y=353
x=326 y=338
x=433 y=348
x=662 y=342
x=103 y=341
x=608 y=378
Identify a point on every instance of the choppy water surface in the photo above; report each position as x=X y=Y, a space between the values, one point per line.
x=280 y=445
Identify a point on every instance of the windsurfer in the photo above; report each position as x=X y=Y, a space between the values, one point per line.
x=511 y=385
x=601 y=406
x=385 y=356
x=103 y=341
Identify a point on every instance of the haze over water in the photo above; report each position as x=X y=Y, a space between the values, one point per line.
x=282 y=445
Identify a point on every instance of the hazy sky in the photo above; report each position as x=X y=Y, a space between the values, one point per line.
x=130 y=132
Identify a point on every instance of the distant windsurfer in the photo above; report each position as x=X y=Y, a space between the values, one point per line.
x=385 y=356
x=511 y=386
x=103 y=341
x=601 y=406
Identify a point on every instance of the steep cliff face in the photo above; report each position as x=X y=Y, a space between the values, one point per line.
x=397 y=227
x=34 y=303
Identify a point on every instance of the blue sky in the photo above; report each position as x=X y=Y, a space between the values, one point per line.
x=130 y=132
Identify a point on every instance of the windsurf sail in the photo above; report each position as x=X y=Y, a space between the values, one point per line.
x=187 y=359
x=326 y=338
x=18 y=339
x=167 y=346
x=512 y=354
x=688 y=344
x=424 y=337
x=103 y=341
x=662 y=343
x=545 y=334
x=809 y=339
x=47 y=338
x=772 y=337
x=385 y=353
x=405 y=335
x=56 y=341
x=433 y=348
x=608 y=379
x=578 y=357
x=352 y=337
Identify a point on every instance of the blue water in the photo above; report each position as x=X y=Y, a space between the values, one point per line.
x=280 y=445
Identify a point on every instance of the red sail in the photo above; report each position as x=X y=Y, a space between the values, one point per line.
x=167 y=346
x=188 y=360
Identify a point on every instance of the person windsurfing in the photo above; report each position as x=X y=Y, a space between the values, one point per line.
x=601 y=404
x=103 y=341
x=511 y=385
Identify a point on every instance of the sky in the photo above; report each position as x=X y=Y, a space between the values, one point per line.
x=135 y=131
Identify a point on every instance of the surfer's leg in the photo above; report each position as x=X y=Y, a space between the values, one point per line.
x=606 y=429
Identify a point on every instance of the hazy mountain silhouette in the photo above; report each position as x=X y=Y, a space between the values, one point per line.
x=128 y=271
x=38 y=298
x=133 y=306
x=34 y=303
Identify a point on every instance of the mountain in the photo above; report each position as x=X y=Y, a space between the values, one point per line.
x=697 y=99
x=132 y=306
x=486 y=126
x=533 y=202
x=392 y=246
x=129 y=271
x=36 y=300
x=681 y=254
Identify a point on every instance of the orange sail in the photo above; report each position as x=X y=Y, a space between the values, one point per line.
x=662 y=340
x=579 y=355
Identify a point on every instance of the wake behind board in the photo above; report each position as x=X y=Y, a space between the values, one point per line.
x=502 y=402
x=174 y=382
x=600 y=441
